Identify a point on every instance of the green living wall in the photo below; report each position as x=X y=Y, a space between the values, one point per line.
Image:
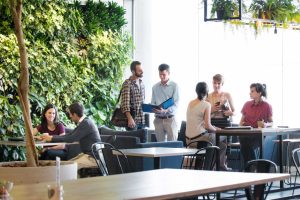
x=76 y=53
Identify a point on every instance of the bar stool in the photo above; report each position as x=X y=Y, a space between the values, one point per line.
x=234 y=153
x=290 y=145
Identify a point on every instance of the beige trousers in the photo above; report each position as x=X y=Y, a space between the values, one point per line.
x=84 y=160
x=165 y=127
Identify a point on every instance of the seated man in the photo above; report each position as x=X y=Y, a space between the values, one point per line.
x=86 y=133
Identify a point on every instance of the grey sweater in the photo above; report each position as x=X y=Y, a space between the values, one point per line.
x=86 y=133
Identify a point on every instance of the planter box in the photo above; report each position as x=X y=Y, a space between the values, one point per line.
x=46 y=172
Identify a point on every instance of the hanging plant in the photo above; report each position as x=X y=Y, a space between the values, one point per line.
x=277 y=10
x=224 y=9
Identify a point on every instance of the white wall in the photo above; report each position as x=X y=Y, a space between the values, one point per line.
x=174 y=32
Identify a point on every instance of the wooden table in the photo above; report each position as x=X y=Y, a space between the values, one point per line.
x=260 y=133
x=157 y=153
x=153 y=184
x=37 y=143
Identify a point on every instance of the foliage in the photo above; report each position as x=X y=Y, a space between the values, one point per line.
x=108 y=16
x=71 y=58
x=225 y=9
x=278 y=10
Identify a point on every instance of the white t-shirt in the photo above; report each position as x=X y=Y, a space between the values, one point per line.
x=195 y=123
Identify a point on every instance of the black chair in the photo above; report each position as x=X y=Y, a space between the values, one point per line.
x=296 y=162
x=194 y=145
x=199 y=144
x=107 y=162
x=259 y=166
x=181 y=133
x=203 y=159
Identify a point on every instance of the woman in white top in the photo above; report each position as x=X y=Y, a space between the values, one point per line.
x=198 y=125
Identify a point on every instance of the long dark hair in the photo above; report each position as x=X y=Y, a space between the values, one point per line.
x=201 y=90
x=44 y=119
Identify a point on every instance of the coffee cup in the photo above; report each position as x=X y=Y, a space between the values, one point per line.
x=261 y=124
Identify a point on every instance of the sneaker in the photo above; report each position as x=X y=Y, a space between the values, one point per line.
x=225 y=168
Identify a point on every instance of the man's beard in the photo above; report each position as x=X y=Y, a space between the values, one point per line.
x=139 y=75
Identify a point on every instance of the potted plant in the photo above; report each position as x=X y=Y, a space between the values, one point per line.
x=225 y=9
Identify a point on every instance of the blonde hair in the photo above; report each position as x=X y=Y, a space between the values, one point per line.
x=219 y=78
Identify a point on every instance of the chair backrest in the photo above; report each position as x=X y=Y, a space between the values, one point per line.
x=107 y=162
x=99 y=157
x=204 y=159
x=181 y=133
x=199 y=144
x=296 y=162
x=296 y=158
x=260 y=166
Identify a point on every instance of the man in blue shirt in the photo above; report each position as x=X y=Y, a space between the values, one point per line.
x=165 y=123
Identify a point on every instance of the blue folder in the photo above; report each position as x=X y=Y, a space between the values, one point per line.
x=149 y=107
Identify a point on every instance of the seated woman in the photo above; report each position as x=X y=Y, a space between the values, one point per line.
x=198 y=125
x=255 y=113
x=50 y=125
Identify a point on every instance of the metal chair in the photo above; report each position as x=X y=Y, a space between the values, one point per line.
x=234 y=153
x=204 y=159
x=296 y=162
x=289 y=144
x=181 y=133
x=107 y=162
x=200 y=144
x=259 y=166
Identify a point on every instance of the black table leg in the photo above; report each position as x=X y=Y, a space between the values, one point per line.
x=218 y=195
x=261 y=149
x=281 y=158
x=218 y=154
x=157 y=163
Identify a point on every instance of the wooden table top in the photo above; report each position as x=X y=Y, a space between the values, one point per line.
x=157 y=152
x=153 y=184
x=264 y=131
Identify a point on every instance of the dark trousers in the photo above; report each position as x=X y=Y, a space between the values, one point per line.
x=51 y=154
x=249 y=147
x=138 y=126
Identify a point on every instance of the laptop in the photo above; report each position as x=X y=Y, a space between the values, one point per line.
x=238 y=127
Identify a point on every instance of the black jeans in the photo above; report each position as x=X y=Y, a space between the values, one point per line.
x=51 y=154
x=249 y=147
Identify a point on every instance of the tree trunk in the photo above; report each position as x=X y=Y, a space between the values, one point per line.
x=23 y=83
